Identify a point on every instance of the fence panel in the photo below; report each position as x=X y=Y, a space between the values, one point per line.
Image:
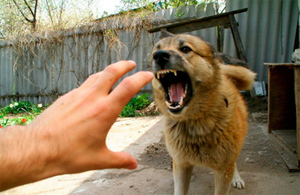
x=42 y=69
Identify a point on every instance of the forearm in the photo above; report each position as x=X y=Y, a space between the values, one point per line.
x=25 y=157
x=69 y=136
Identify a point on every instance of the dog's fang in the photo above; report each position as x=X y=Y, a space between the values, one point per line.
x=185 y=89
x=168 y=104
x=157 y=75
x=169 y=93
x=175 y=72
x=181 y=101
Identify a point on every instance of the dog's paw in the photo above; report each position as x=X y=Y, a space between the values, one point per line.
x=238 y=182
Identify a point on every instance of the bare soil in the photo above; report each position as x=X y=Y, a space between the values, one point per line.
x=260 y=165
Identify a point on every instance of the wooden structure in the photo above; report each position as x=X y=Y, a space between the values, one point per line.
x=284 y=111
x=226 y=19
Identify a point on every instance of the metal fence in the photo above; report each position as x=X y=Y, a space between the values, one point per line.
x=268 y=31
x=39 y=69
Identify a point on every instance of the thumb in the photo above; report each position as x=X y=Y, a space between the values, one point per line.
x=122 y=160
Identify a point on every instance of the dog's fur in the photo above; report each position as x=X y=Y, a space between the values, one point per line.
x=209 y=126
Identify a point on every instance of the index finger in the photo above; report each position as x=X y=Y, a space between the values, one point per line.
x=111 y=74
x=128 y=87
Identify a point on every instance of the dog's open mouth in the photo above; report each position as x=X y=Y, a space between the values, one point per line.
x=177 y=86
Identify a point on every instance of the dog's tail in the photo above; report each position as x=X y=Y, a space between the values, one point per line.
x=242 y=77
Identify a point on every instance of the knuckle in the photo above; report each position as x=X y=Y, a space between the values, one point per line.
x=93 y=76
x=128 y=85
x=112 y=70
x=101 y=109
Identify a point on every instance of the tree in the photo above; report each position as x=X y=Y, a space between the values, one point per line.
x=28 y=9
x=19 y=17
x=163 y=4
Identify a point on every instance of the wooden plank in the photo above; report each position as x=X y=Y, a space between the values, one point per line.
x=285 y=152
x=191 y=26
x=270 y=100
x=237 y=39
x=282 y=112
x=297 y=100
x=282 y=64
x=177 y=23
x=287 y=137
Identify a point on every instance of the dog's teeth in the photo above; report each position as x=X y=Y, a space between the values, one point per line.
x=158 y=75
x=178 y=106
x=181 y=101
x=175 y=72
x=168 y=104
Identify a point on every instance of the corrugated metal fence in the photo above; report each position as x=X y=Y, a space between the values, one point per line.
x=268 y=31
x=39 y=69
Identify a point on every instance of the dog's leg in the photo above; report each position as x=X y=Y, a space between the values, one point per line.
x=182 y=175
x=237 y=181
x=223 y=179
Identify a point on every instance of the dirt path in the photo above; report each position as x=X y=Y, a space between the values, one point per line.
x=259 y=164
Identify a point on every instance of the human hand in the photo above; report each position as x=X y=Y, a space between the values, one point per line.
x=69 y=136
x=77 y=124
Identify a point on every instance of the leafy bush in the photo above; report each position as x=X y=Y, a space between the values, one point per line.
x=29 y=109
x=24 y=120
x=136 y=103
x=20 y=107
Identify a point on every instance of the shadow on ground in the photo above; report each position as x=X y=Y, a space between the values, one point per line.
x=259 y=164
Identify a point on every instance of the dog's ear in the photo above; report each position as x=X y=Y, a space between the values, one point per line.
x=212 y=48
x=164 y=33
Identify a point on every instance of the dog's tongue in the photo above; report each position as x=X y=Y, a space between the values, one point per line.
x=176 y=91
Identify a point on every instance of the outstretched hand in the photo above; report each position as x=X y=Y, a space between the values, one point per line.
x=70 y=136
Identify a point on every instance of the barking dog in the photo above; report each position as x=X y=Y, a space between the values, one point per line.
x=205 y=116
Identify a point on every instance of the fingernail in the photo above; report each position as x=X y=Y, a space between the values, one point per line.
x=150 y=73
x=132 y=166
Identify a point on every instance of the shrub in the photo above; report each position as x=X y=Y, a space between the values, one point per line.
x=20 y=107
x=29 y=109
x=136 y=103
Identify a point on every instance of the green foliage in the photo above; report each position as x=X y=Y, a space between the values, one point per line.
x=138 y=5
x=27 y=109
x=22 y=120
x=20 y=107
x=136 y=103
x=165 y=4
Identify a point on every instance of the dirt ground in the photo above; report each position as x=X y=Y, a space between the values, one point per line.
x=261 y=167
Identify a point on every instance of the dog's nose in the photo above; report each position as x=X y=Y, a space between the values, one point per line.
x=161 y=57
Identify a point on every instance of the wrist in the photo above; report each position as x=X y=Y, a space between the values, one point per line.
x=25 y=156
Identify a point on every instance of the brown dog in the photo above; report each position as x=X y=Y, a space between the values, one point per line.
x=205 y=115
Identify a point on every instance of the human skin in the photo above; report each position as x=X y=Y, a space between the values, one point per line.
x=70 y=135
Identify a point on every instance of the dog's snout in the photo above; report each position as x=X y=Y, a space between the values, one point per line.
x=161 y=57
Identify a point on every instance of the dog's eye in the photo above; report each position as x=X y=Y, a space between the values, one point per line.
x=185 y=49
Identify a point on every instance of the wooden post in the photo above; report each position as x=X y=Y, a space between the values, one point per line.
x=237 y=39
x=297 y=100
